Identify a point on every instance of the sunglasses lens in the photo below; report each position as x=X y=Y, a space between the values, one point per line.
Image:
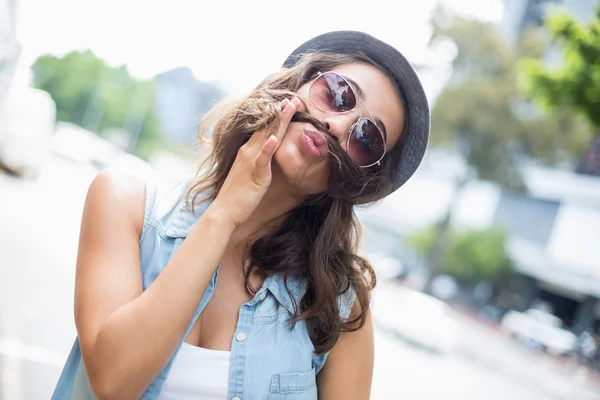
x=366 y=145
x=330 y=92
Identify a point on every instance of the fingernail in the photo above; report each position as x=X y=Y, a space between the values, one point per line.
x=283 y=103
x=297 y=102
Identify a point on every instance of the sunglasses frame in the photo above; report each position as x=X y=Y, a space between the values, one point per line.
x=370 y=118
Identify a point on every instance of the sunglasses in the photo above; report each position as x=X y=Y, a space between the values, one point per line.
x=331 y=93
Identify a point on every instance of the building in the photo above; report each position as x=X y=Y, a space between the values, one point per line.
x=180 y=102
x=590 y=162
x=553 y=233
x=556 y=230
x=9 y=47
x=554 y=238
x=520 y=14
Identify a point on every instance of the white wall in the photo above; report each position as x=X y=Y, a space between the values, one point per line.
x=575 y=239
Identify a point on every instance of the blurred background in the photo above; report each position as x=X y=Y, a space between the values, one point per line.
x=488 y=259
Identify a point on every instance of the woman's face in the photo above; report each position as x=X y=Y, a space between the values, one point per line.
x=305 y=167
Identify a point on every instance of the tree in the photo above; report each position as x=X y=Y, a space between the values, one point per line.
x=89 y=93
x=576 y=83
x=481 y=115
x=573 y=86
x=472 y=255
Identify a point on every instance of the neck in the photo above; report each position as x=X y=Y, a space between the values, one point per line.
x=279 y=199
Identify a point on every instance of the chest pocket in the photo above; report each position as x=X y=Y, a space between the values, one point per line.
x=294 y=386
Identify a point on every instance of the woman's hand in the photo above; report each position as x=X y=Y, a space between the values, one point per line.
x=250 y=174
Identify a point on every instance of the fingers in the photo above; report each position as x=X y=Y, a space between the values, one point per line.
x=262 y=171
x=258 y=138
x=282 y=104
x=288 y=111
x=263 y=161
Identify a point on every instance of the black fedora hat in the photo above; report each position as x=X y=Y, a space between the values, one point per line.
x=403 y=75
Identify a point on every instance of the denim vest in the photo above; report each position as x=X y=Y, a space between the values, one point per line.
x=269 y=359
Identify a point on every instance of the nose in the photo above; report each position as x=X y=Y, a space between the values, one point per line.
x=339 y=126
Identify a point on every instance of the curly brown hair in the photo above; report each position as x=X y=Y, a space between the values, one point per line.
x=318 y=240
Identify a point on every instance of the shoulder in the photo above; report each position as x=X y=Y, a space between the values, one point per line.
x=121 y=184
x=347 y=303
x=350 y=360
x=117 y=194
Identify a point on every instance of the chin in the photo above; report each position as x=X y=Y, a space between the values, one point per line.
x=306 y=176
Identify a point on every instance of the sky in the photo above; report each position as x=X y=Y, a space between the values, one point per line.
x=235 y=43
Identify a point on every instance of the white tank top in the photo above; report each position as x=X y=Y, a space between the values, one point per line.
x=198 y=374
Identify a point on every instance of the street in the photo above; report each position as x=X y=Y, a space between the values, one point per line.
x=486 y=365
x=39 y=224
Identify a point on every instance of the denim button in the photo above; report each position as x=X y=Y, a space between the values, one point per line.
x=240 y=337
x=262 y=296
x=236 y=398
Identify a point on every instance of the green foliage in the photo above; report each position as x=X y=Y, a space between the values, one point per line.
x=477 y=255
x=472 y=255
x=576 y=83
x=422 y=241
x=483 y=115
x=89 y=93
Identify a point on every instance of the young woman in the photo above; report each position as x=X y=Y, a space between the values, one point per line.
x=244 y=282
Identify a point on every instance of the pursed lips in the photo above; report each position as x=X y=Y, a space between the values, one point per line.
x=319 y=140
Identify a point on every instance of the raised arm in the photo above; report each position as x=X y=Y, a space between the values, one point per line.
x=127 y=335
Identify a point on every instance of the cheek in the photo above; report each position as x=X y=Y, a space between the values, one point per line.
x=288 y=154
x=302 y=93
x=310 y=177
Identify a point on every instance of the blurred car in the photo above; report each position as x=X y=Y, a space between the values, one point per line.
x=82 y=146
x=539 y=328
x=85 y=147
x=491 y=313
x=416 y=317
x=27 y=121
x=587 y=347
